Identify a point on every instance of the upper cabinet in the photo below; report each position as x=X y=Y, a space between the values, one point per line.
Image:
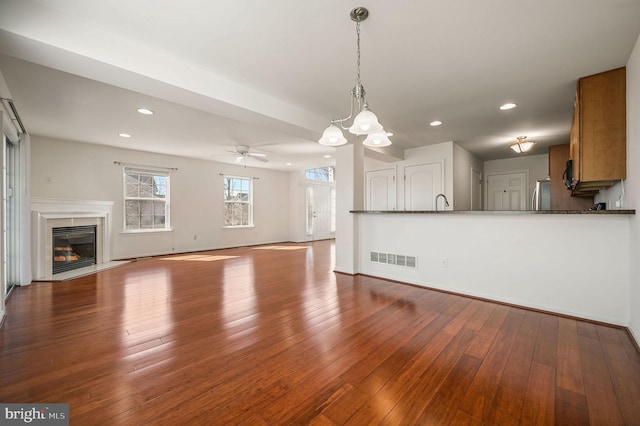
x=598 y=132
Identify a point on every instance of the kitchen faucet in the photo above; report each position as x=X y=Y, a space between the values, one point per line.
x=446 y=203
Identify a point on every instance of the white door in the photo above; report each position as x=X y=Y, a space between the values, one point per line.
x=380 y=189
x=476 y=189
x=507 y=191
x=319 y=212
x=421 y=185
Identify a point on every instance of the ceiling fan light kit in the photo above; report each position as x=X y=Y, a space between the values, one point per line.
x=365 y=122
x=243 y=152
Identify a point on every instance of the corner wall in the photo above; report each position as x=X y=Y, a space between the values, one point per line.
x=632 y=185
x=463 y=162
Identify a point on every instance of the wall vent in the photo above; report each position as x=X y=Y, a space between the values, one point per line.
x=394 y=259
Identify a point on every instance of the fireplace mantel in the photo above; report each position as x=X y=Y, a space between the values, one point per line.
x=47 y=213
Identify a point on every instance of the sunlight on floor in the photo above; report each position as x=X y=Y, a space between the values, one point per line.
x=199 y=257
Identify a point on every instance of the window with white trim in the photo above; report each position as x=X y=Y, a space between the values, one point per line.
x=238 y=202
x=146 y=200
x=322 y=174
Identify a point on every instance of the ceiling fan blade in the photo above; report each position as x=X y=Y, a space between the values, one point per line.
x=257 y=154
x=264 y=160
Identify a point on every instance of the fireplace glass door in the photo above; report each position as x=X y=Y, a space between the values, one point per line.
x=73 y=247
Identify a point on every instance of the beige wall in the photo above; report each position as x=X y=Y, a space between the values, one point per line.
x=82 y=171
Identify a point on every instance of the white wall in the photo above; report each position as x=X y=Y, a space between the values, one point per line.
x=570 y=264
x=628 y=192
x=463 y=161
x=632 y=186
x=297 y=206
x=615 y=194
x=81 y=171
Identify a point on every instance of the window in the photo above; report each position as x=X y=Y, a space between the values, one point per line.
x=146 y=200
x=238 y=202
x=323 y=174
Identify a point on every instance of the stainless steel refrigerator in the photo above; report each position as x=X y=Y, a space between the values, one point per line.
x=541 y=199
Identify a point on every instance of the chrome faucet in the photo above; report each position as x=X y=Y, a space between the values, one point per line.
x=446 y=203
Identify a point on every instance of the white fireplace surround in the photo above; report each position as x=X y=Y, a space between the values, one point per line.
x=49 y=213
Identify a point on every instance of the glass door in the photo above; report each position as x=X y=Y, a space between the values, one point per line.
x=10 y=209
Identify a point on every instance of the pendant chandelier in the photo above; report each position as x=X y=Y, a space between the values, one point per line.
x=365 y=122
x=523 y=145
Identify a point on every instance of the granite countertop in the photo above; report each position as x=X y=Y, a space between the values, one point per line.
x=497 y=212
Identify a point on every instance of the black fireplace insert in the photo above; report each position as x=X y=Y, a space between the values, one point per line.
x=73 y=247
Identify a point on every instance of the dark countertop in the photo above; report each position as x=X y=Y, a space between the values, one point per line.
x=497 y=212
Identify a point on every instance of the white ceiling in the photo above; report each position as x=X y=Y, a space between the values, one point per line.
x=271 y=75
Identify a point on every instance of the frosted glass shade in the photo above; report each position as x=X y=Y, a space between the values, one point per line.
x=332 y=136
x=378 y=138
x=522 y=147
x=365 y=123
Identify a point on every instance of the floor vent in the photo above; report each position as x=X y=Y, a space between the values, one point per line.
x=394 y=259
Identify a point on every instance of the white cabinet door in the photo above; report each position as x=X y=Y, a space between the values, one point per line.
x=421 y=185
x=507 y=191
x=380 y=189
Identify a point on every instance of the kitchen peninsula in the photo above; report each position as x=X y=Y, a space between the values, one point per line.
x=575 y=263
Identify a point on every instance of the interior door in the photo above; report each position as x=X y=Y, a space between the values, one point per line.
x=507 y=191
x=319 y=212
x=380 y=189
x=421 y=185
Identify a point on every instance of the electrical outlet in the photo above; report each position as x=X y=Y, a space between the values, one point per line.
x=444 y=262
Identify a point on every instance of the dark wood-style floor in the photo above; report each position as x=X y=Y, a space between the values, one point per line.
x=270 y=335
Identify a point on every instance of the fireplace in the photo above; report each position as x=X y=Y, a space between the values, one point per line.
x=73 y=247
x=50 y=214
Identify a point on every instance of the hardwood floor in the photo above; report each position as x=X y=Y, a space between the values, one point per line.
x=270 y=335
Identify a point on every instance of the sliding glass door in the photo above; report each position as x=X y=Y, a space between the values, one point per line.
x=10 y=216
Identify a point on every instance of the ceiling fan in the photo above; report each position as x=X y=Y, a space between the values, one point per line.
x=242 y=152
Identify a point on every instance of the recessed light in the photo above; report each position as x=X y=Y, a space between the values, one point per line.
x=435 y=123
x=288 y=164
x=508 y=106
x=327 y=156
x=145 y=111
x=124 y=135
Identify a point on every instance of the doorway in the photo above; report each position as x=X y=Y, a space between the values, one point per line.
x=320 y=212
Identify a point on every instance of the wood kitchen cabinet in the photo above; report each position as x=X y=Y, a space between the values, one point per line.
x=598 y=144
